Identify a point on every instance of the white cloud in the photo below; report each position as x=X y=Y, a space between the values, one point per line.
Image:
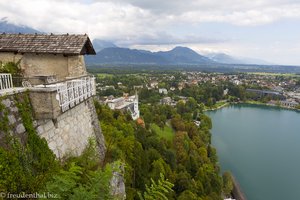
x=124 y=23
x=144 y=23
x=130 y=18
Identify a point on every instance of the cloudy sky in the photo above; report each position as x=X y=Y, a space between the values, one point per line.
x=264 y=29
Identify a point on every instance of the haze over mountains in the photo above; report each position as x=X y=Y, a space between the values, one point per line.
x=7 y=27
x=102 y=44
x=109 y=53
x=226 y=59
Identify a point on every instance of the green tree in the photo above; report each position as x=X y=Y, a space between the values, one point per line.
x=191 y=104
x=205 y=121
x=24 y=167
x=157 y=190
x=227 y=184
x=12 y=68
x=72 y=183
x=181 y=107
x=188 y=195
x=210 y=102
x=183 y=181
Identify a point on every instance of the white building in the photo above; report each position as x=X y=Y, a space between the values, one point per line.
x=106 y=87
x=166 y=101
x=225 y=92
x=153 y=84
x=237 y=82
x=130 y=104
x=162 y=91
x=172 y=88
x=138 y=87
x=289 y=103
x=197 y=123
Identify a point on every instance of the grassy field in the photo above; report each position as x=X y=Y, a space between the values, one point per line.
x=166 y=132
x=254 y=102
x=103 y=75
x=216 y=106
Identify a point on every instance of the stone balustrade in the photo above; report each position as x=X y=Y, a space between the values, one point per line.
x=5 y=81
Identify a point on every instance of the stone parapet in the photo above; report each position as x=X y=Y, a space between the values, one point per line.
x=45 y=103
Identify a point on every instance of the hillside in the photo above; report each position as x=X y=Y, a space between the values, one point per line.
x=183 y=55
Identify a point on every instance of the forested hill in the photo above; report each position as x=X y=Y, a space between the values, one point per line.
x=168 y=144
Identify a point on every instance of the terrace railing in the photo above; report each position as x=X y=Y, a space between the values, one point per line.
x=73 y=92
x=5 y=81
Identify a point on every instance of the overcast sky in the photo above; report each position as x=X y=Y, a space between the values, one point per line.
x=265 y=29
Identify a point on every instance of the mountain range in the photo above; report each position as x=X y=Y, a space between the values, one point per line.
x=176 y=56
x=109 y=53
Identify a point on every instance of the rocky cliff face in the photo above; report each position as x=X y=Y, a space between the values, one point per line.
x=117 y=182
x=97 y=129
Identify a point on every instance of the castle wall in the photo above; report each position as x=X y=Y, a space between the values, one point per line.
x=76 y=66
x=69 y=133
x=14 y=120
x=9 y=57
x=66 y=135
x=47 y=64
x=44 y=64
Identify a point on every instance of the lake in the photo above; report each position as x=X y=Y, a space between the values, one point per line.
x=260 y=145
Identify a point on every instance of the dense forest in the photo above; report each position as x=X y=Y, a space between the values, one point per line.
x=185 y=158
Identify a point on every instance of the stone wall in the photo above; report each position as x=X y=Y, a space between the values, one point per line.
x=15 y=122
x=76 y=66
x=66 y=135
x=69 y=133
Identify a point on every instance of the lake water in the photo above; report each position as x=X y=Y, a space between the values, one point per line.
x=260 y=145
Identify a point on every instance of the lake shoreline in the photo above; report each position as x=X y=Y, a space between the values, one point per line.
x=237 y=192
x=251 y=103
x=219 y=107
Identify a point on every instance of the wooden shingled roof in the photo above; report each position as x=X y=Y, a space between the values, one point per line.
x=50 y=44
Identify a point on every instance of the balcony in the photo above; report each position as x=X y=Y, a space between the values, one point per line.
x=50 y=100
